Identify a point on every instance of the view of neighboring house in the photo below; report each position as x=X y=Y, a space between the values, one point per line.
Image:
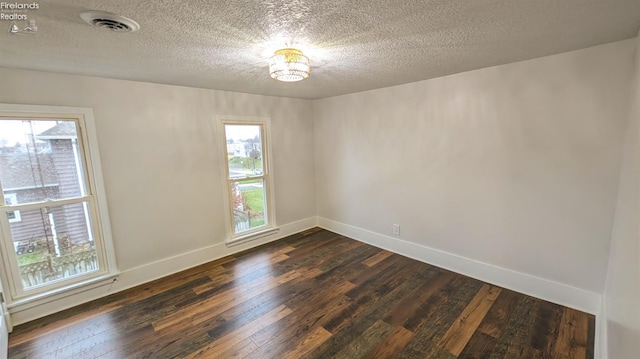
x=246 y=149
x=47 y=168
x=238 y=148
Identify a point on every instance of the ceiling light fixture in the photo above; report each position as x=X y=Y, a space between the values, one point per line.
x=289 y=65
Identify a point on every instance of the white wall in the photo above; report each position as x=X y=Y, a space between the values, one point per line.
x=161 y=162
x=622 y=293
x=515 y=166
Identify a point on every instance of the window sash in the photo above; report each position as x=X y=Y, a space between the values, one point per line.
x=263 y=144
x=14 y=266
x=265 y=211
x=86 y=180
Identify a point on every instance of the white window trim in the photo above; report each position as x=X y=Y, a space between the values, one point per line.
x=271 y=227
x=100 y=219
x=16 y=214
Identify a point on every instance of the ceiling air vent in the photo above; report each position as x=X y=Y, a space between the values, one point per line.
x=109 y=21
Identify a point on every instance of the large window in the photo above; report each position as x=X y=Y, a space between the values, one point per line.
x=248 y=177
x=53 y=228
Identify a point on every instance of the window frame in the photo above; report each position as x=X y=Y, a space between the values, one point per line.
x=267 y=176
x=101 y=228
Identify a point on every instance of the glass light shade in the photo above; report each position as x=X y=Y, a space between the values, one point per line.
x=289 y=65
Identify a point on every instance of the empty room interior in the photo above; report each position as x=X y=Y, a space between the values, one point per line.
x=330 y=179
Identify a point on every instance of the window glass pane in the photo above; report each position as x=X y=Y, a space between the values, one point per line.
x=53 y=243
x=40 y=160
x=248 y=204
x=244 y=150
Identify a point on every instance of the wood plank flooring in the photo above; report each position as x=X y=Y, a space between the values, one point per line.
x=315 y=294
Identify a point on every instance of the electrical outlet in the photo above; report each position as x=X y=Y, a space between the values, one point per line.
x=396 y=229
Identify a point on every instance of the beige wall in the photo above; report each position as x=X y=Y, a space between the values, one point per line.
x=161 y=159
x=622 y=293
x=516 y=165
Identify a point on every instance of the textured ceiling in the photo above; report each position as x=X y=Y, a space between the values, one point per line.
x=354 y=45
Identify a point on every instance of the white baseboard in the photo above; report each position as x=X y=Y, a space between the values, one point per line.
x=151 y=271
x=601 y=349
x=548 y=290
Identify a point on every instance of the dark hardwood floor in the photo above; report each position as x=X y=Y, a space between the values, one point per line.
x=312 y=295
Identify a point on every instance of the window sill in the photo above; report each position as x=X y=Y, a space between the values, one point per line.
x=59 y=293
x=251 y=236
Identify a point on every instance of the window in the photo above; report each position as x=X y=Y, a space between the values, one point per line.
x=11 y=199
x=248 y=177
x=54 y=231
